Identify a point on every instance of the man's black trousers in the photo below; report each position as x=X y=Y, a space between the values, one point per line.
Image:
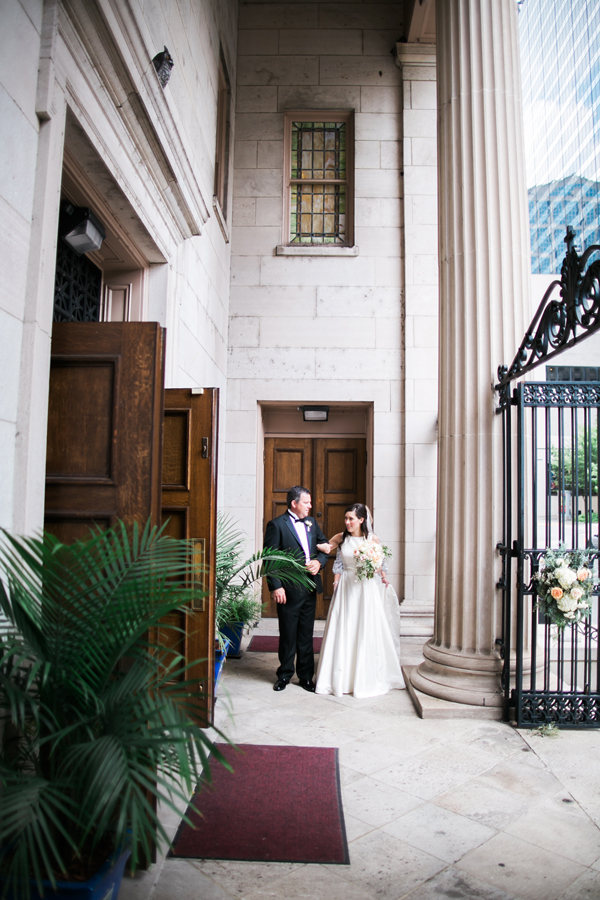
x=296 y=625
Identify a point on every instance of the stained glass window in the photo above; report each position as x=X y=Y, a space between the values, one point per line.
x=318 y=182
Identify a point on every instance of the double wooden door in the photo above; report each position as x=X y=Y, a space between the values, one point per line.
x=105 y=458
x=335 y=472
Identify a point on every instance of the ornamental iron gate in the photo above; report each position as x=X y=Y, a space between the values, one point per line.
x=550 y=433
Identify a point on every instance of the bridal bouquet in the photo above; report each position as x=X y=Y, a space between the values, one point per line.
x=564 y=586
x=369 y=558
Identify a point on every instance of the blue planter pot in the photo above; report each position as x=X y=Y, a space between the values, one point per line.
x=234 y=633
x=104 y=885
x=219 y=660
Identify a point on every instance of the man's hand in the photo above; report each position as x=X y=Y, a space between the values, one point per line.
x=279 y=595
x=313 y=566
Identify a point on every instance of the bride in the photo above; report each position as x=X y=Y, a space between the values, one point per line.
x=362 y=635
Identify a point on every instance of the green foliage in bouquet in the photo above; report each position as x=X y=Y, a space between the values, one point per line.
x=564 y=586
x=97 y=720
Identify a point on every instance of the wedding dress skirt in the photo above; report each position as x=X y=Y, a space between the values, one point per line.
x=361 y=644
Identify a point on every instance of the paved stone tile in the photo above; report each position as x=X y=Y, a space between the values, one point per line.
x=387 y=867
x=530 y=781
x=392 y=746
x=240 y=878
x=356 y=828
x=438 y=831
x=562 y=828
x=181 y=879
x=485 y=804
x=438 y=770
x=500 y=738
x=311 y=883
x=587 y=887
x=520 y=868
x=376 y=803
x=452 y=883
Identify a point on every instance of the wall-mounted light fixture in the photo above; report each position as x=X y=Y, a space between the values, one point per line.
x=81 y=229
x=163 y=63
x=315 y=413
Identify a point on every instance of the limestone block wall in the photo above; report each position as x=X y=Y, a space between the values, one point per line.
x=20 y=38
x=308 y=329
x=417 y=64
x=57 y=70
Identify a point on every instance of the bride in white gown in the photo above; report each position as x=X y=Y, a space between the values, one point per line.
x=361 y=644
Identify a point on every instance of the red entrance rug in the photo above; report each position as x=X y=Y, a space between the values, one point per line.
x=269 y=643
x=280 y=804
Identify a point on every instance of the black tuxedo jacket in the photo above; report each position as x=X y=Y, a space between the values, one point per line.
x=280 y=534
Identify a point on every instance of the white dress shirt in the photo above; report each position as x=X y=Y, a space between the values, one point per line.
x=301 y=532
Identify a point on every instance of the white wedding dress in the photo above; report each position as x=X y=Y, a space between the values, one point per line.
x=361 y=644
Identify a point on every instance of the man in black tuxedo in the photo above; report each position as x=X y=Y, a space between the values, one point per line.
x=297 y=531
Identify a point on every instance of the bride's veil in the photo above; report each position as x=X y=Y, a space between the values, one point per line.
x=369 y=520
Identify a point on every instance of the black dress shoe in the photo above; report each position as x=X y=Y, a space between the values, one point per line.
x=281 y=684
x=307 y=684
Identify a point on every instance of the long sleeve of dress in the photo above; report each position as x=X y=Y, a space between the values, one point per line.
x=338 y=566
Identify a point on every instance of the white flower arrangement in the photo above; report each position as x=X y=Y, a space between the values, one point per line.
x=564 y=586
x=369 y=557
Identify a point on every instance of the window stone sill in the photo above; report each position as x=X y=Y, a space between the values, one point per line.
x=315 y=250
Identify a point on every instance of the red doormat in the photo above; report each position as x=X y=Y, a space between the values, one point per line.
x=269 y=643
x=280 y=804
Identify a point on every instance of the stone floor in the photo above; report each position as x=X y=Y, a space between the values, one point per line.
x=457 y=808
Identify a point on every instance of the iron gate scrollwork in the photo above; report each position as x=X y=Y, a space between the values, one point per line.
x=551 y=441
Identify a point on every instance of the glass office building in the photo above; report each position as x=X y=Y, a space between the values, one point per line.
x=560 y=59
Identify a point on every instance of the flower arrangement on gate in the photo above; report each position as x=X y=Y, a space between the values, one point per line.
x=369 y=557
x=564 y=586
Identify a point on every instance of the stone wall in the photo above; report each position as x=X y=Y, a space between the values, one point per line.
x=87 y=68
x=306 y=328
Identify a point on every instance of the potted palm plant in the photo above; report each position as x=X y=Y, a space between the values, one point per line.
x=98 y=721
x=238 y=581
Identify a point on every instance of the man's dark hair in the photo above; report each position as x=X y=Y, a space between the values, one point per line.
x=295 y=493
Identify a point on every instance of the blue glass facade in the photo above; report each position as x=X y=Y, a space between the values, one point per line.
x=560 y=59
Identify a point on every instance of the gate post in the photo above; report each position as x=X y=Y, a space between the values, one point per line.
x=484 y=306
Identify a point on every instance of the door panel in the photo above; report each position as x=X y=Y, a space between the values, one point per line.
x=104 y=426
x=333 y=469
x=340 y=479
x=288 y=461
x=189 y=506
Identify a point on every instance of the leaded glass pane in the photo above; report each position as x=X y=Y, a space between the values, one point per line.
x=318 y=214
x=318 y=150
x=77 y=287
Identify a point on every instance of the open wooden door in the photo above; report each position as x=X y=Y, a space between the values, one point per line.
x=103 y=458
x=189 y=506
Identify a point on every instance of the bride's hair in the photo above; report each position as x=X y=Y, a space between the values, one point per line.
x=361 y=512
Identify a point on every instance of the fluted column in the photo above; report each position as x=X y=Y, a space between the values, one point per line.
x=484 y=306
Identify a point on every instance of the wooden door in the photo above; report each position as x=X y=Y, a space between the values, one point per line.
x=103 y=459
x=333 y=469
x=340 y=479
x=189 y=506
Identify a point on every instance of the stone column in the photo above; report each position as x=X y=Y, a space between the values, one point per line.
x=484 y=309
x=420 y=407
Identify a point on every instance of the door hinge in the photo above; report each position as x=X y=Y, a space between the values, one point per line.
x=264 y=457
x=205 y=448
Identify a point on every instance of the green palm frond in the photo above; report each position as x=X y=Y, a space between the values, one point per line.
x=96 y=718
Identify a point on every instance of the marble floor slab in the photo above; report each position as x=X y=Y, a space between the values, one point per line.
x=434 y=809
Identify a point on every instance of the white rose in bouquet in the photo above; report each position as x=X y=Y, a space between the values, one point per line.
x=567 y=603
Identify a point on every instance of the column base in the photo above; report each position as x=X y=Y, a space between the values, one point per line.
x=459 y=678
x=429 y=707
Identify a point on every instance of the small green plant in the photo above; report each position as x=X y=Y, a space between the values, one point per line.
x=550 y=729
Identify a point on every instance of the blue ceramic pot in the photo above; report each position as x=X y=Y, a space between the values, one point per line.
x=219 y=660
x=104 y=885
x=234 y=632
